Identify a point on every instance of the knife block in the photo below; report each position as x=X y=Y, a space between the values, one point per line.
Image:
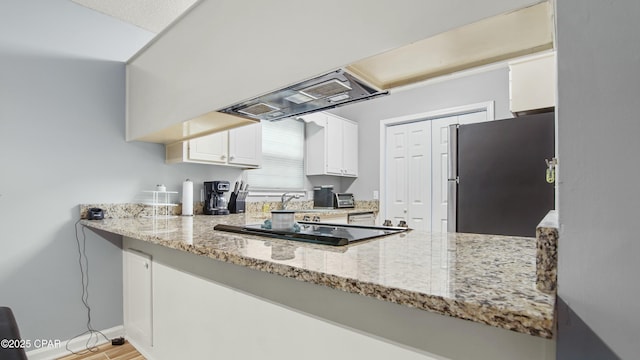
x=237 y=203
x=239 y=206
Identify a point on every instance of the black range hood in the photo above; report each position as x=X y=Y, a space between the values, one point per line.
x=324 y=92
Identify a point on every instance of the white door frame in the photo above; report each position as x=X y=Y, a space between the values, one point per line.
x=384 y=124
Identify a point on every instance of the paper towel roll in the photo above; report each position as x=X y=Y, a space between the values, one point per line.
x=187 y=198
x=187 y=230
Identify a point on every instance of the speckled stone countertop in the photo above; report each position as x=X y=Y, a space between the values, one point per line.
x=547 y=254
x=484 y=278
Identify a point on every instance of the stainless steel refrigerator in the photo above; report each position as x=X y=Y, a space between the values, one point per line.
x=497 y=175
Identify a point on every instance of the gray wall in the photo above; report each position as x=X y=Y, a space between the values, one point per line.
x=62 y=144
x=599 y=88
x=482 y=87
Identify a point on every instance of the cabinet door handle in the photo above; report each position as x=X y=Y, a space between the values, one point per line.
x=222 y=157
x=146 y=265
x=231 y=157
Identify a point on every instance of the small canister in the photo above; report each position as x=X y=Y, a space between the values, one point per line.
x=282 y=219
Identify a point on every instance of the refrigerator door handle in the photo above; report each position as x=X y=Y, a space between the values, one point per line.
x=452 y=204
x=452 y=152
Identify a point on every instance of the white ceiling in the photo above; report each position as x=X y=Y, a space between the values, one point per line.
x=63 y=28
x=151 y=15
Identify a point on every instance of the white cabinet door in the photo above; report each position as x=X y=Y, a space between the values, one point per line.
x=137 y=306
x=245 y=145
x=210 y=148
x=334 y=146
x=350 y=148
x=315 y=143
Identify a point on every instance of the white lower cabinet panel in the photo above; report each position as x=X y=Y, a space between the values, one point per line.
x=138 y=302
x=207 y=309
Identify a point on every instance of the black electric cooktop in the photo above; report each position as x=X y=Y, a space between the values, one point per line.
x=319 y=233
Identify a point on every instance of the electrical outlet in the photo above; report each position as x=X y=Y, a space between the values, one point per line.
x=376 y=194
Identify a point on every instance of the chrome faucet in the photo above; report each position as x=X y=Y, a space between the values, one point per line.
x=286 y=197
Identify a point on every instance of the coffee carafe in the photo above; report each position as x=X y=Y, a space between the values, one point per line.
x=214 y=201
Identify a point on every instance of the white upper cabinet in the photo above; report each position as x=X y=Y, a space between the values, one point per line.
x=220 y=53
x=241 y=147
x=331 y=145
x=532 y=83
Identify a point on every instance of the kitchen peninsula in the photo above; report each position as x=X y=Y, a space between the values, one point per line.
x=392 y=293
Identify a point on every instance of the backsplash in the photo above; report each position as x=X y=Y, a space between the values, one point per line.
x=112 y=211
x=116 y=211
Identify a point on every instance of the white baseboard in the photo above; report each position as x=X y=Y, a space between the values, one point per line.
x=141 y=348
x=77 y=344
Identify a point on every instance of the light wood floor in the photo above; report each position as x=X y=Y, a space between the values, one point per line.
x=109 y=352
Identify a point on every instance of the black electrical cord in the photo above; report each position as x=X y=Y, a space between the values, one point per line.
x=83 y=261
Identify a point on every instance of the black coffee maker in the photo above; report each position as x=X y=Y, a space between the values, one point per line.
x=214 y=201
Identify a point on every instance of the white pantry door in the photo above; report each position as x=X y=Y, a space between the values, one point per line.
x=408 y=174
x=396 y=173
x=417 y=164
x=440 y=164
x=440 y=170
